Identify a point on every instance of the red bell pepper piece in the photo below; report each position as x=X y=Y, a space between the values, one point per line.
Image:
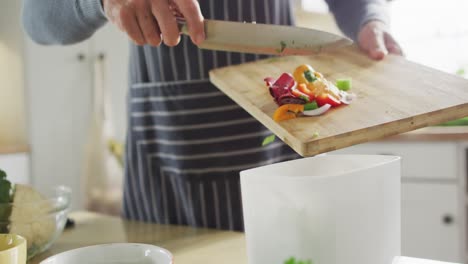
x=325 y=98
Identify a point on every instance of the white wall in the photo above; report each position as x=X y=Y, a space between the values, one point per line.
x=12 y=113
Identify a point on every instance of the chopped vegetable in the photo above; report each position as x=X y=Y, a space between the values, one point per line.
x=310 y=106
x=293 y=260
x=268 y=140
x=281 y=88
x=347 y=98
x=282 y=47
x=460 y=72
x=304 y=89
x=325 y=98
x=319 y=111
x=309 y=76
x=300 y=94
x=307 y=92
x=316 y=134
x=299 y=73
x=343 y=84
x=287 y=111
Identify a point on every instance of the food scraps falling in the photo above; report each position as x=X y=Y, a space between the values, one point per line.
x=293 y=260
x=307 y=93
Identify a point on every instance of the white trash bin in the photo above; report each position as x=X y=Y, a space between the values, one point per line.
x=332 y=209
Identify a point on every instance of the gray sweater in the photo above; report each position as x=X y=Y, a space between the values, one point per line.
x=71 y=21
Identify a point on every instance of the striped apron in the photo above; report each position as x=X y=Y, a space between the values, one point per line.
x=186 y=140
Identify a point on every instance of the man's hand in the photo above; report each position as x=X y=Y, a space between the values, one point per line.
x=376 y=41
x=153 y=21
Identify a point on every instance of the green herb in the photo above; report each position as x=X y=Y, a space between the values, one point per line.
x=282 y=47
x=311 y=106
x=310 y=76
x=305 y=98
x=461 y=72
x=268 y=140
x=343 y=84
x=293 y=260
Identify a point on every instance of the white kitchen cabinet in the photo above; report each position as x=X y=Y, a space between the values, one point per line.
x=431 y=223
x=16 y=165
x=60 y=84
x=58 y=81
x=433 y=220
x=419 y=160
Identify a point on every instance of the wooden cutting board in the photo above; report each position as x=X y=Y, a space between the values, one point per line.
x=394 y=96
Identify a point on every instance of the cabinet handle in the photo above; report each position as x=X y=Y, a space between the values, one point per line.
x=101 y=56
x=447 y=219
x=81 y=57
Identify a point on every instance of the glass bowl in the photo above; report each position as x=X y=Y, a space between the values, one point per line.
x=42 y=221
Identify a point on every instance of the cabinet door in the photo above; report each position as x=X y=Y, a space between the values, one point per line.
x=112 y=46
x=419 y=160
x=431 y=225
x=58 y=81
x=16 y=166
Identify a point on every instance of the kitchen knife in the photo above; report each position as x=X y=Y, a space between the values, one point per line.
x=266 y=39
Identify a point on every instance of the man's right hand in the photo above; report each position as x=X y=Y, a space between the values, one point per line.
x=153 y=21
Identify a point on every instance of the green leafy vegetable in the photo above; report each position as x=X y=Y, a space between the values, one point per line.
x=6 y=197
x=6 y=189
x=344 y=84
x=293 y=260
x=268 y=140
x=310 y=76
x=461 y=72
x=311 y=106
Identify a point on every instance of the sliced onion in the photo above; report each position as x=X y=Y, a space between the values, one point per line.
x=347 y=98
x=319 y=111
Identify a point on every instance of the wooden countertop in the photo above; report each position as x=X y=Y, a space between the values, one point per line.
x=189 y=245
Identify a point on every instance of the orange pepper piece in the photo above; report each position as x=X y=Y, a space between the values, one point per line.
x=299 y=73
x=287 y=111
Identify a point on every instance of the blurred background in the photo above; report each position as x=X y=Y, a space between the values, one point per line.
x=63 y=117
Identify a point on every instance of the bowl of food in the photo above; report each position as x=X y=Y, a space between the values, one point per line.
x=38 y=217
x=121 y=253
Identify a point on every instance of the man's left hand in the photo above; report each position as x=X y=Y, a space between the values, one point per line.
x=376 y=41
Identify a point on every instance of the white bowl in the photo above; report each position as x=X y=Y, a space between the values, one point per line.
x=124 y=253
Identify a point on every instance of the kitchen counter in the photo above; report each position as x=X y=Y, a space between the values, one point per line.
x=189 y=245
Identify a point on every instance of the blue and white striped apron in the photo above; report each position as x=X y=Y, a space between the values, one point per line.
x=187 y=141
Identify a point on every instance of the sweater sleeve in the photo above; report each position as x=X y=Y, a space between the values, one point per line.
x=62 y=21
x=351 y=15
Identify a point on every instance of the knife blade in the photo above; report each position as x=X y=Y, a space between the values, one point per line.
x=266 y=39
